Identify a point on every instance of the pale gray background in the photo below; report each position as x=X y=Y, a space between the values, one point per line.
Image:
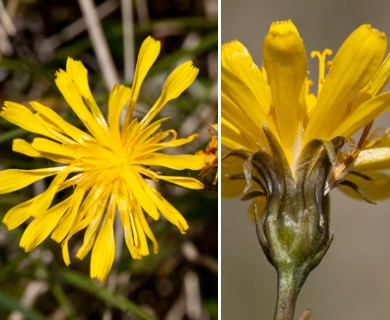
x=353 y=280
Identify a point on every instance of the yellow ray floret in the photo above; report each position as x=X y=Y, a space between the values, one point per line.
x=104 y=167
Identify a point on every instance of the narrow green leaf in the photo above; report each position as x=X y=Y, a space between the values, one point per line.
x=12 y=134
x=12 y=304
x=86 y=284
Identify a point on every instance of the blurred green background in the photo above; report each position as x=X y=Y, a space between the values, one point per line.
x=181 y=281
x=353 y=280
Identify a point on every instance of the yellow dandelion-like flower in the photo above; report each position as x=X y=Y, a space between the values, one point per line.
x=278 y=97
x=105 y=168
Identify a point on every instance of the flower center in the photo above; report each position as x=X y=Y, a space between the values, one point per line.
x=97 y=157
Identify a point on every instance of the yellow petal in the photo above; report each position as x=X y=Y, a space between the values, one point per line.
x=19 y=214
x=153 y=144
x=231 y=137
x=119 y=97
x=238 y=66
x=15 y=179
x=381 y=78
x=374 y=157
x=376 y=189
x=177 y=162
x=103 y=251
x=353 y=67
x=148 y=231
x=89 y=215
x=68 y=218
x=169 y=211
x=79 y=75
x=22 y=146
x=42 y=226
x=285 y=62
x=44 y=200
x=126 y=213
x=22 y=117
x=54 y=119
x=73 y=97
x=90 y=233
x=93 y=205
x=178 y=81
x=232 y=166
x=174 y=142
x=185 y=182
x=34 y=207
x=136 y=134
x=132 y=218
x=238 y=138
x=139 y=189
x=189 y=183
x=246 y=117
x=142 y=248
x=363 y=115
x=147 y=55
x=59 y=150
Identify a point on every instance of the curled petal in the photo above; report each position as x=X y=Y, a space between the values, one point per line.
x=178 y=81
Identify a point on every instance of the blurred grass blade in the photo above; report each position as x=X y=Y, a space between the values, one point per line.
x=12 y=304
x=116 y=300
x=12 y=134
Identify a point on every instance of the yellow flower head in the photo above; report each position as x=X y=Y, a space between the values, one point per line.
x=105 y=169
x=278 y=97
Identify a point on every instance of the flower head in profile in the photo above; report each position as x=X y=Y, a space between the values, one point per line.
x=103 y=169
x=276 y=103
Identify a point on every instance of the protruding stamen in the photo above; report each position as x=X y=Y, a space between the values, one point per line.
x=321 y=65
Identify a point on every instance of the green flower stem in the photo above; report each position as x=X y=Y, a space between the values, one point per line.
x=287 y=294
x=114 y=299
